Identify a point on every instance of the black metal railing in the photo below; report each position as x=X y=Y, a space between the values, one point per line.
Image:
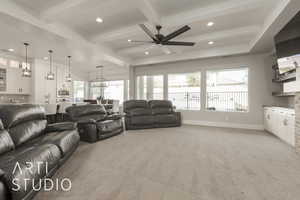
x=186 y=100
x=227 y=101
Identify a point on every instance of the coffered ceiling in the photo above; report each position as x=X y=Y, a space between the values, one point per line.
x=70 y=27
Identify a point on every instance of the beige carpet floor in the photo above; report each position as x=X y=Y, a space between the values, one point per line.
x=186 y=163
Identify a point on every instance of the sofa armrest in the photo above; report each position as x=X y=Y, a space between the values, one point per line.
x=59 y=127
x=87 y=121
x=179 y=119
x=88 y=130
x=113 y=117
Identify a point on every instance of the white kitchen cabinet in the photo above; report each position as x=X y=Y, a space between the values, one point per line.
x=267 y=119
x=16 y=83
x=280 y=122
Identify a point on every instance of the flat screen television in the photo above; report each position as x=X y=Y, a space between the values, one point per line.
x=287 y=43
x=287 y=64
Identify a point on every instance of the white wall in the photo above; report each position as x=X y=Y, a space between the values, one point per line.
x=41 y=86
x=260 y=88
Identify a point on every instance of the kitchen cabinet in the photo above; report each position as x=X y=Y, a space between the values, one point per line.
x=280 y=122
x=16 y=83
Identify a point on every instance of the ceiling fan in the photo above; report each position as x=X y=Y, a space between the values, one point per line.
x=161 y=39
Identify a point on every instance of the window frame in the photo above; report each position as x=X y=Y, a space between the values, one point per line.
x=228 y=69
x=200 y=88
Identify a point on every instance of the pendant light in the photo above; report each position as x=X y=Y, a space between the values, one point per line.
x=50 y=74
x=100 y=79
x=69 y=77
x=26 y=72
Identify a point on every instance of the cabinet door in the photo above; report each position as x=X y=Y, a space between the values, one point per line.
x=25 y=85
x=16 y=83
x=281 y=126
x=267 y=119
x=274 y=126
x=290 y=129
x=13 y=81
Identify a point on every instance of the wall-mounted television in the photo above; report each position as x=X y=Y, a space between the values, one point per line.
x=287 y=43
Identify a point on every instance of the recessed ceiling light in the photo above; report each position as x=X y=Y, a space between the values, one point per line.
x=11 y=50
x=210 y=24
x=211 y=42
x=45 y=58
x=147 y=52
x=99 y=20
x=129 y=40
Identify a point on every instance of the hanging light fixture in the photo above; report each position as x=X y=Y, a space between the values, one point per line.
x=50 y=74
x=26 y=72
x=69 y=77
x=100 y=79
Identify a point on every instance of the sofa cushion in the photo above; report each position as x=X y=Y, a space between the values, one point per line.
x=161 y=107
x=131 y=104
x=28 y=130
x=166 y=119
x=158 y=111
x=142 y=120
x=108 y=126
x=62 y=126
x=160 y=104
x=79 y=112
x=13 y=115
x=41 y=157
x=91 y=117
x=139 y=112
x=64 y=140
x=6 y=143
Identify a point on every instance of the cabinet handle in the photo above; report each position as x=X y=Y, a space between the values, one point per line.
x=268 y=117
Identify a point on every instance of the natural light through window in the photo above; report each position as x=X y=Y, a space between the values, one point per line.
x=150 y=87
x=114 y=90
x=78 y=91
x=184 y=90
x=227 y=90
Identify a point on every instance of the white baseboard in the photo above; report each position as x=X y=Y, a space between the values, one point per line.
x=224 y=124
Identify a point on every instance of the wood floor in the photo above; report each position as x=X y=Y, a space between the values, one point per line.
x=186 y=163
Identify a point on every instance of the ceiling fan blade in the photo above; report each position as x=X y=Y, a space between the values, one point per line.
x=148 y=32
x=138 y=41
x=176 y=33
x=178 y=43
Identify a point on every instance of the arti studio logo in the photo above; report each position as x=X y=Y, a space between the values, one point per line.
x=37 y=169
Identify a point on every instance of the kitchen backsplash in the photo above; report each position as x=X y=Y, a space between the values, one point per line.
x=12 y=98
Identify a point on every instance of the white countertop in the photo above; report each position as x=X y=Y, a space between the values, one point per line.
x=284 y=109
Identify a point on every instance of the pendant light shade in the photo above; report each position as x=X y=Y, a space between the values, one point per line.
x=69 y=77
x=100 y=79
x=26 y=72
x=50 y=74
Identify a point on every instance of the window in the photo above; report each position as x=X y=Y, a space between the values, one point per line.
x=114 y=90
x=158 y=87
x=150 y=87
x=141 y=87
x=184 y=90
x=227 y=90
x=95 y=90
x=78 y=91
x=3 y=61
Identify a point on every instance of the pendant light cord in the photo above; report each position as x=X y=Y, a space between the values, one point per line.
x=69 y=65
x=50 y=55
x=26 y=56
